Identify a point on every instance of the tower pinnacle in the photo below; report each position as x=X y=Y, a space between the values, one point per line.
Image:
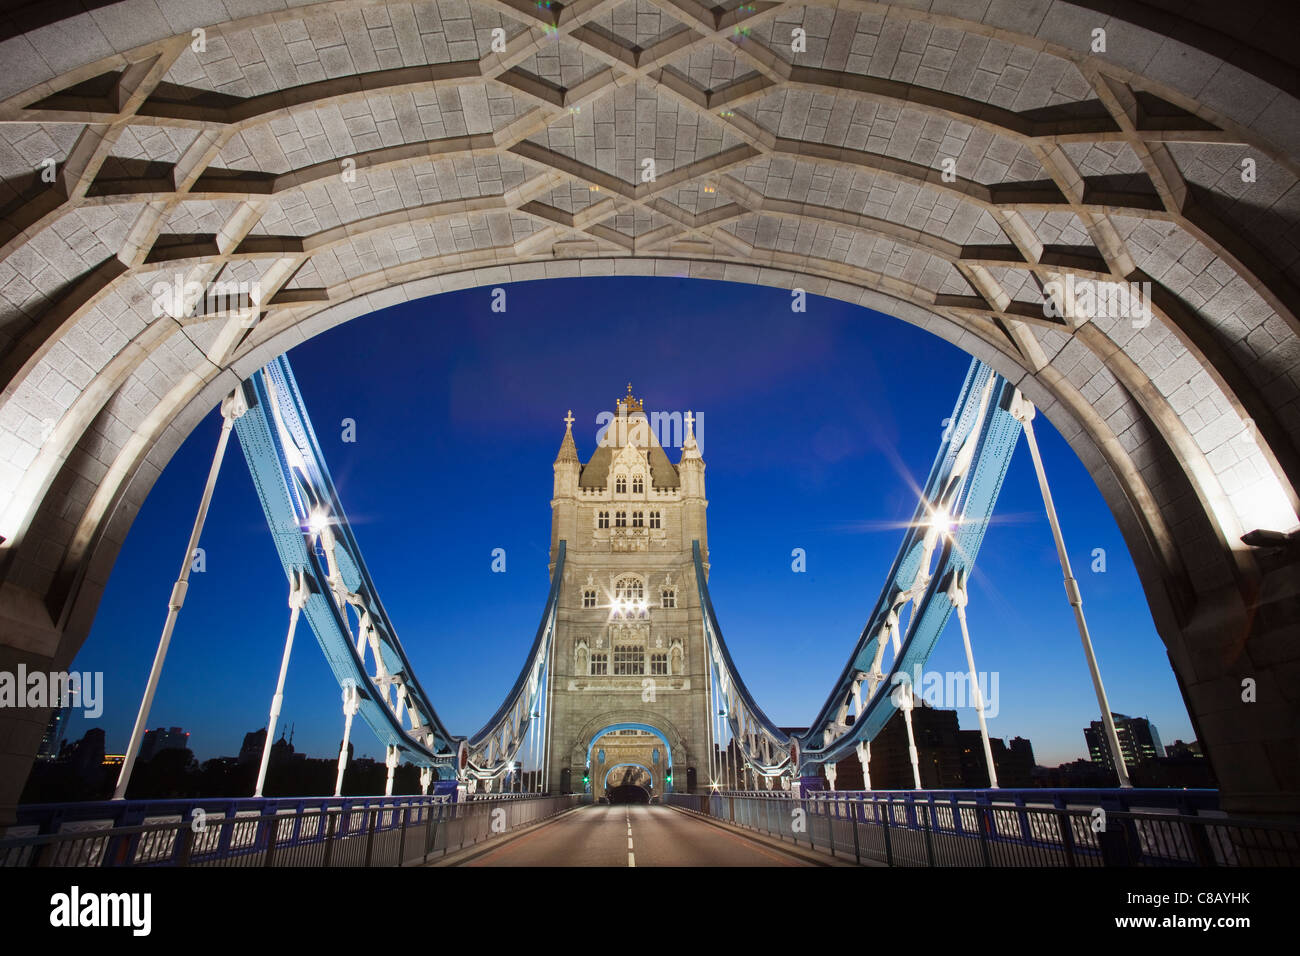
x=690 y=448
x=568 y=450
x=628 y=403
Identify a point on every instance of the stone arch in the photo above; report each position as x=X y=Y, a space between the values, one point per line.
x=817 y=173
x=678 y=752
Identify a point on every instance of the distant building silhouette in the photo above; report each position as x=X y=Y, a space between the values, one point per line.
x=87 y=757
x=1180 y=749
x=949 y=758
x=251 y=750
x=1014 y=763
x=1078 y=774
x=156 y=741
x=937 y=746
x=1183 y=765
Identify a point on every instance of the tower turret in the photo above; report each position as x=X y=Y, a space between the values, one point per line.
x=567 y=465
x=691 y=469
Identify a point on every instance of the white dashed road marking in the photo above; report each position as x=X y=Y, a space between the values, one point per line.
x=631 y=857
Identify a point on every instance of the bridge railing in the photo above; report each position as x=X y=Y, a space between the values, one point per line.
x=43 y=818
x=1199 y=801
x=906 y=829
x=360 y=832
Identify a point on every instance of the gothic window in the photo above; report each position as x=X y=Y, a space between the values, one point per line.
x=628 y=659
x=620 y=486
x=620 y=519
x=668 y=597
x=629 y=589
x=599 y=663
x=602 y=519
x=659 y=663
x=638 y=485
x=589 y=597
x=655 y=521
x=638 y=519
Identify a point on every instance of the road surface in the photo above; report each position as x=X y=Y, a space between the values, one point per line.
x=630 y=835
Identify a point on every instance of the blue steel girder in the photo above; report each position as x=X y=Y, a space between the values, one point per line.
x=302 y=509
x=764 y=746
x=492 y=748
x=964 y=483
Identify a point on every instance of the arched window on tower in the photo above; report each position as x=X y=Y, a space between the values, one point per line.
x=602 y=519
x=620 y=486
x=638 y=485
x=620 y=519
x=629 y=589
x=629 y=597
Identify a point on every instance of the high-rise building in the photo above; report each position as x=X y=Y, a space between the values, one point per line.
x=629 y=647
x=1139 y=741
x=54 y=733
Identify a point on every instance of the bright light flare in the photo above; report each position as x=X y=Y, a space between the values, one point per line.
x=942 y=521
x=318 y=521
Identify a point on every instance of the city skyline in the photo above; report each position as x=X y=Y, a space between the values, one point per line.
x=834 y=415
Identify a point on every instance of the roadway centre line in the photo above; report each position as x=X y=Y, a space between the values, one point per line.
x=631 y=857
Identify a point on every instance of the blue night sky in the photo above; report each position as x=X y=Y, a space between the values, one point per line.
x=816 y=427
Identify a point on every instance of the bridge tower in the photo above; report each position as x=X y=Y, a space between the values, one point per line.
x=629 y=666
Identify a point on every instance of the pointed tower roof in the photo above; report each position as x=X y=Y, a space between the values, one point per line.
x=663 y=473
x=568 y=450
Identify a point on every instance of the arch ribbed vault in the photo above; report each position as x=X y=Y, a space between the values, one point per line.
x=338 y=157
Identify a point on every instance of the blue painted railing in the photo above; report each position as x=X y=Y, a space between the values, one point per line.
x=50 y=817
